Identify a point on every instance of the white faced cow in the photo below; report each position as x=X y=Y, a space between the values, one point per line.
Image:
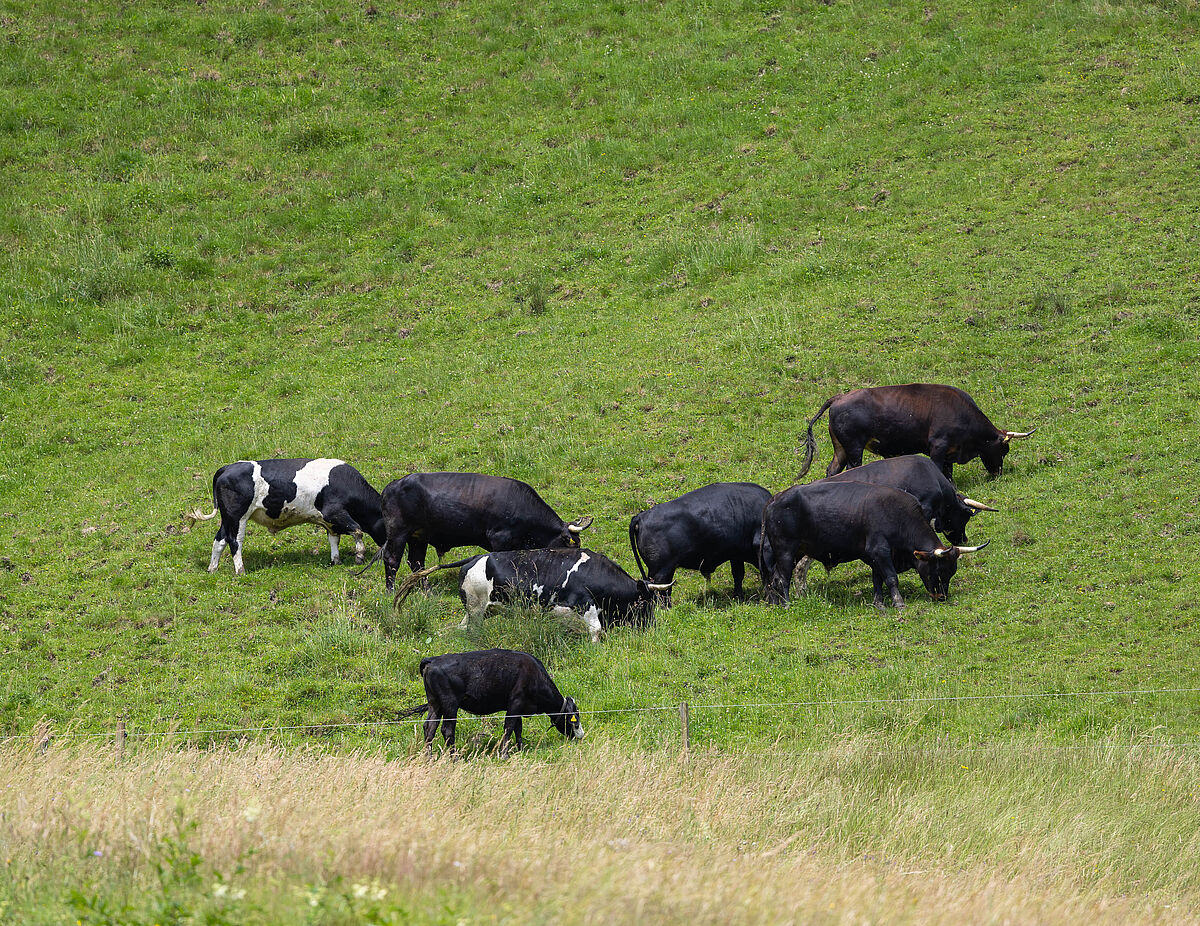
x=283 y=493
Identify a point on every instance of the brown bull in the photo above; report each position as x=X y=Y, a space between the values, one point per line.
x=940 y=421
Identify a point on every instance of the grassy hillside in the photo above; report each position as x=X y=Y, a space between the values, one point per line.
x=619 y=251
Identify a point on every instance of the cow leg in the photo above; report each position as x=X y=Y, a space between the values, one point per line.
x=838 y=463
x=738 y=568
x=416 y=554
x=512 y=728
x=883 y=573
x=393 y=553
x=235 y=547
x=800 y=576
x=335 y=558
x=431 y=727
x=218 y=548
x=360 y=548
x=940 y=454
x=779 y=585
x=448 y=724
x=475 y=590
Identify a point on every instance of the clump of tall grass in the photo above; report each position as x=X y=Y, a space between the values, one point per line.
x=860 y=830
x=526 y=626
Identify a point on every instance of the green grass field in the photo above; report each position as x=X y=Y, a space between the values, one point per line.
x=619 y=251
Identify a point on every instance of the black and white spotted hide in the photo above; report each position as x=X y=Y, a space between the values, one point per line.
x=573 y=580
x=279 y=494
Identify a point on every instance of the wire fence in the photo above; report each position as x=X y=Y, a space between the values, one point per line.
x=46 y=733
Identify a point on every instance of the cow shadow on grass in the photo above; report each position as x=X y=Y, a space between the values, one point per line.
x=267 y=560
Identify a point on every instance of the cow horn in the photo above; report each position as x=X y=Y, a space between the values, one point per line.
x=658 y=587
x=978 y=506
x=941 y=551
x=972 y=549
x=579 y=525
x=1016 y=435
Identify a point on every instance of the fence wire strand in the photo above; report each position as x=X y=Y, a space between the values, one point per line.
x=649 y=709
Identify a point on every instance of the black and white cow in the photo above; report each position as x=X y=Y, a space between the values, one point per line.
x=283 y=493
x=447 y=510
x=487 y=681
x=567 y=581
x=946 y=508
x=838 y=522
x=702 y=529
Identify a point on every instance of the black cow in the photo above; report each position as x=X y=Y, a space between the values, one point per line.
x=838 y=522
x=947 y=509
x=487 y=681
x=719 y=523
x=446 y=510
x=941 y=421
x=283 y=493
x=572 y=580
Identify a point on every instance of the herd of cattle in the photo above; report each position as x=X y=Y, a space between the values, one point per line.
x=887 y=514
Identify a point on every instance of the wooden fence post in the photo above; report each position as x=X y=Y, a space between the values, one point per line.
x=44 y=738
x=684 y=726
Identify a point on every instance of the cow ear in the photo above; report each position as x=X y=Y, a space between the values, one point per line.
x=920 y=554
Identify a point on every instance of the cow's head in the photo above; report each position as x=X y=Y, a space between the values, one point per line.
x=936 y=567
x=567 y=721
x=573 y=530
x=641 y=612
x=992 y=453
x=954 y=522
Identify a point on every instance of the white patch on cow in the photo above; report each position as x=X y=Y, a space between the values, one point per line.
x=591 y=617
x=334 y=556
x=538 y=589
x=583 y=558
x=477 y=591
x=310 y=479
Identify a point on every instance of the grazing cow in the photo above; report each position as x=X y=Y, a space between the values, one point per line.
x=941 y=421
x=719 y=523
x=567 y=581
x=283 y=493
x=947 y=509
x=446 y=510
x=838 y=522
x=487 y=681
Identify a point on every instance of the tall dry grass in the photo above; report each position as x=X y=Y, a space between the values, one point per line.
x=595 y=833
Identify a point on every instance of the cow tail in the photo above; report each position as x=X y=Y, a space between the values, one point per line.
x=762 y=539
x=410 y=711
x=404 y=589
x=634 y=524
x=810 y=442
x=192 y=515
